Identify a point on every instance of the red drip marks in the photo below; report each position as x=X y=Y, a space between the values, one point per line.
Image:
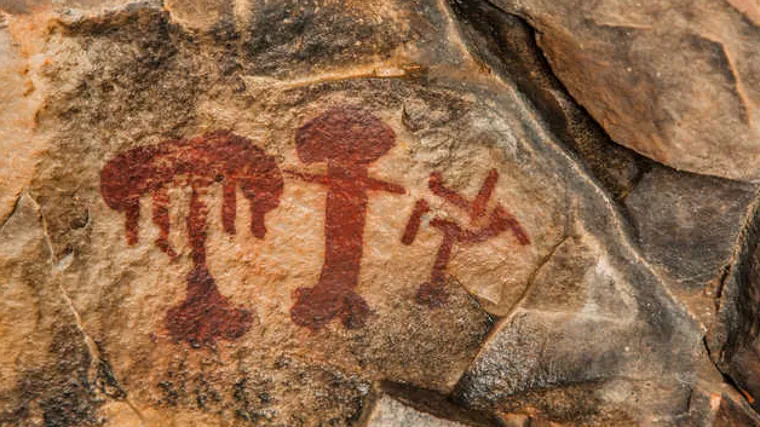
x=222 y=157
x=348 y=140
x=433 y=293
x=161 y=219
x=229 y=207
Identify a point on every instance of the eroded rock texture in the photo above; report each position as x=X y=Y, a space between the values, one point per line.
x=673 y=80
x=371 y=213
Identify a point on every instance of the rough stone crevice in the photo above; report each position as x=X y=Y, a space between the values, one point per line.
x=99 y=373
x=437 y=404
x=543 y=262
x=748 y=238
x=737 y=322
x=12 y=212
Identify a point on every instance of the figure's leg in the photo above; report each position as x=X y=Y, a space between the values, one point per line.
x=433 y=293
x=315 y=307
x=205 y=315
x=421 y=207
x=334 y=294
x=161 y=219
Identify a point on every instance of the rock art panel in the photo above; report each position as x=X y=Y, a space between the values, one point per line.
x=364 y=163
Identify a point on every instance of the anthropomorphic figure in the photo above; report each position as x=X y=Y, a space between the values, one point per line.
x=224 y=158
x=433 y=293
x=348 y=140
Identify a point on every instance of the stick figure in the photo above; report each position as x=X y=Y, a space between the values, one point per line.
x=433 y=293
x=348 y=140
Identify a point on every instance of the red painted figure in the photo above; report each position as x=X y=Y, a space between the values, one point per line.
x=348 y=140
x=221 y=157
x=433 y=293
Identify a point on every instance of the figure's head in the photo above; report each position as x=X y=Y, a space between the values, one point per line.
x=347 y=135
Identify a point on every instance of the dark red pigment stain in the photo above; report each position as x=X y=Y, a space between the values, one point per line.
x=348 y=140
x=222 y=157
x=433 y=293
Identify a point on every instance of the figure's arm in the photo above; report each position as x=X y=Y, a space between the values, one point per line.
x=308 y=177
x=484 y=195
x=378 y=185
x=435 y=183
x=501 y=220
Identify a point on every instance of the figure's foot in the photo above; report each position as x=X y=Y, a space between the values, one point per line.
x=355 y=310
x=316 y=307
x=203 y=318
x=433 y=295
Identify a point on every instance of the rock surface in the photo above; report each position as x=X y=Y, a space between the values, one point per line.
x=626 y=63
x=704 y=217
x=507 y=45
x=336 y=213
x=733 y=339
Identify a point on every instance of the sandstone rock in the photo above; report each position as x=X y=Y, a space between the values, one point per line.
x=258 y=214
x=624 y=62
x=733 y=338
x=400 y=405
x=507 y=45
x=688 y=227
x=584 y=334
x=390 y=412
x=50 y=371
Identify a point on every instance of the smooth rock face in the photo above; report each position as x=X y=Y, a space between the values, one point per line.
x=625 y=63
x=254 y=212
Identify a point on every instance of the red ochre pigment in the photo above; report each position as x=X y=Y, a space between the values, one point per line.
x=220 y=157
x=348 y=140
x=433 y=293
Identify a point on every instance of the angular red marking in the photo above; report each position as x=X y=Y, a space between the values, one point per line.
x=435 y=183
x=433 y=293
x=484 y=195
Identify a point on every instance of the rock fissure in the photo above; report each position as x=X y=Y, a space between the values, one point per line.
x=97 y=364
